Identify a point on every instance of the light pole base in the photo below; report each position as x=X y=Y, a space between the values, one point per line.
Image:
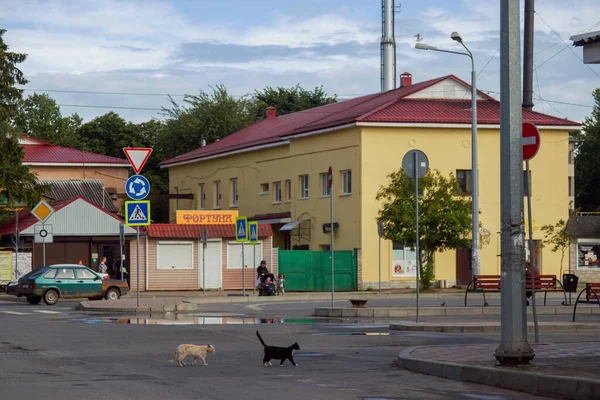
x=520 y=357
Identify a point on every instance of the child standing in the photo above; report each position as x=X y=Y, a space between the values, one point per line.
x=281 y=285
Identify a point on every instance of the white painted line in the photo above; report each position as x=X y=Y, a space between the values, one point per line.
x=14 y=312
x=254 y=307
x=47 y=311
x=528 y=140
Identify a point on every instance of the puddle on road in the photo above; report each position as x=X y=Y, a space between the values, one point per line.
x=183 y=319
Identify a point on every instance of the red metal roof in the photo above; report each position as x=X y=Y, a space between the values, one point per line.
x=45 y=152
x=175 y=231
x=386 y=107
x=446 y=111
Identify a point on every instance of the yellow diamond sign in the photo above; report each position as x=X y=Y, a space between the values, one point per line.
x=42 y=211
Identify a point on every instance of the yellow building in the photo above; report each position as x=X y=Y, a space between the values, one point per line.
x=275 y=171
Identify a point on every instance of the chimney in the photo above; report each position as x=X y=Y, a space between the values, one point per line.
x=202 y=143
x=405 y=79
x=271 y=112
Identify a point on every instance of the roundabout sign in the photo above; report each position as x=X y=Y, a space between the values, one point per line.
x=137 y=187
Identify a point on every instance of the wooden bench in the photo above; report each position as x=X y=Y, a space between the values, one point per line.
x=359 y=303
x=491 y=284
x=591 y=291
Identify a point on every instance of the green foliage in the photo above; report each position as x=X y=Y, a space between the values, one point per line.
x=444 y=216
x=39 y=116
x=290 y=100
x=587 y=169
x=10 y=76
x=560 y=239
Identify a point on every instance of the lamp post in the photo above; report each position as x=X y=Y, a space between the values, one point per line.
x=475 y=259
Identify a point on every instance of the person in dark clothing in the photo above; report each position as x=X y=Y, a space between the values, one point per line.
x=262 y=269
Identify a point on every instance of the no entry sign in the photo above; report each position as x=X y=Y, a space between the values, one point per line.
x=531 y=141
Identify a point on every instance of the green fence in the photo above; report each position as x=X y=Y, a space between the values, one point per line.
x=310 y=271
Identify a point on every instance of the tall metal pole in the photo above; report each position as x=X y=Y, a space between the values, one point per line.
x=380 y=263
x=332 y=241
x=475 y=262
x=204 y=237
x=137 y=261
x=532 y=268
x=44 y=247
x=17 y=237
x=417 y=253
x=243 y=271
x=528 y=55
x=388 y=47
x=121 y=240
x=513 y=348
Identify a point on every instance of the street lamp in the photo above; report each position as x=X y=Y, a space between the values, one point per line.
x=474 y=163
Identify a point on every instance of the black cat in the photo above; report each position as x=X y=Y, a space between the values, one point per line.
x=278 y=353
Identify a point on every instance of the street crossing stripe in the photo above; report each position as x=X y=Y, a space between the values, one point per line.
x=14 y=312
x=46 y=311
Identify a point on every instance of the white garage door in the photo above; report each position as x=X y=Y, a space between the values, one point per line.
x=212 y=266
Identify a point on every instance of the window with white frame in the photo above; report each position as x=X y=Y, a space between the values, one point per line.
x=201 y=197
x=252 y=255
x=304 y=186
x=277 y=192
x=347 y=182
x=288 y=190
x=264 y=188
x=404 y=261
x=175 y=255
x=588 y=255
x=325 y=189
x=218 y=194
x=234 y=192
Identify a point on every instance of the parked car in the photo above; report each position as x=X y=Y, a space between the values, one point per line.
x=68 y=281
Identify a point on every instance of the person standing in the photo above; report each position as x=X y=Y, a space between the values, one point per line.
x=102 y=268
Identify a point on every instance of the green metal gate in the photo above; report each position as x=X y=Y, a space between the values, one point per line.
x=310 y=271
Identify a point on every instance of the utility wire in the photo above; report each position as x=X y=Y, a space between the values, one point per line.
x=111 y=107
x=488 y=63
x=555 y=54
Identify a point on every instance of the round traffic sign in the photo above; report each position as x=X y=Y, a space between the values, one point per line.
x=415 y=157
x=137 y=187
x=43 y=233
x=531 y=140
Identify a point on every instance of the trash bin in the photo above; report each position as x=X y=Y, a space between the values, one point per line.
x=570 y=282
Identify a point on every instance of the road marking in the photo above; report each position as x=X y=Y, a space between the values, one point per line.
x=255 y=307
x=14 y=312
x=47 y=311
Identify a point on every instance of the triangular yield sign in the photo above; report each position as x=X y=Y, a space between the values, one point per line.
x=137 y=156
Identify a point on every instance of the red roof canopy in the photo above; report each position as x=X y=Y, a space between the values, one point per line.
x=48 y=153
x=175 y=231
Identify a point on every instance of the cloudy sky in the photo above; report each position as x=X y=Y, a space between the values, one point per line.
x=155 y=47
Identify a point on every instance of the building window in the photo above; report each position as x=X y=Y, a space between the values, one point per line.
x=325 y=189
x=570 y=186
x=218 y=194
x=588 y=255
x=277 y=192
x=347 y=182
x=465 y=180
x=325 y=247
x=264 y=188
x=304 y=186
x=288 y=190
x=234 y=192
x=253 y=254
x=175 y=255
x=526 y=184
x=404 y=262
x=201 y=197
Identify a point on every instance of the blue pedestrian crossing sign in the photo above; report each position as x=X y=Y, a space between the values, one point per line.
x=241 y=229
x=137 y=213
x=137 y=187
x=253 y=234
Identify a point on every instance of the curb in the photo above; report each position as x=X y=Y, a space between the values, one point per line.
x=478 y=328
x=184 y=306
x=536 y=383
x=473 y=311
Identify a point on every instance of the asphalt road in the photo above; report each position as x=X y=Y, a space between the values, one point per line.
x=66 y=354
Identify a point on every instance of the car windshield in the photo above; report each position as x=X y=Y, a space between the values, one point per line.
x=35 y=273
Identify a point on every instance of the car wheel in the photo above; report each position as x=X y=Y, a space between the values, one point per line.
x=34 y=299
x=112 y=294
x=51 y=297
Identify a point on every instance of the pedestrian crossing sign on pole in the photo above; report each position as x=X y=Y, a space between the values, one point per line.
x=137 y=213
x=241 y=229
x=253 y=234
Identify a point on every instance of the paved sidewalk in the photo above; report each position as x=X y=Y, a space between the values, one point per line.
x=562 y=370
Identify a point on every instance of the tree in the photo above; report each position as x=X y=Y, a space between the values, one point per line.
x=39 y=116
x=444 y=216
x=18 y=184
x=290 y=100
x=587 y=169
x=559 y=238
x=109 y=133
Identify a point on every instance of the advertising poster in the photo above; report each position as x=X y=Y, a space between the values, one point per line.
x=6 y=269
x=587 y=256
x=404 y=268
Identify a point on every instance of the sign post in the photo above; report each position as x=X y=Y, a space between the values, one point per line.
x=380 y=234
x=42 y=211
x=253 y=240
x=330 y=186
x=241 y=236
x=204 y=244
x=137 y=213
x=531 y=145
x=415 y=164
x=121 y=241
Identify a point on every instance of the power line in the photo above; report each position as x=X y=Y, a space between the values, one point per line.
x=109 y=93
x=111 y=107
x=488 y=63
x=547 y=101
x=555 y=54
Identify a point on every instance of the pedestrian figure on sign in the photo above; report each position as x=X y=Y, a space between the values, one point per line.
x=102 y=268
x=137 y=214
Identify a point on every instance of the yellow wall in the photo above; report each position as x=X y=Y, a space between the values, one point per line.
x=310 y=155
x=382 y=150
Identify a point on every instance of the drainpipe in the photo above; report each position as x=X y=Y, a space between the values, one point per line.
x=146 y=261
